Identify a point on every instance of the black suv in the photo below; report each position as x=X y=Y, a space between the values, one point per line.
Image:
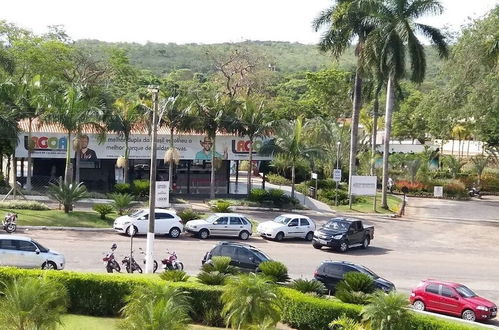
x=244 y=256
x=331 y=272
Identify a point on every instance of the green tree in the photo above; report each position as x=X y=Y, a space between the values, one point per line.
x=67 y=193
x=394 y=36
x=386 y=311
x=155 y=307
x=479 y=164
x=32 y=303
x=250 y=302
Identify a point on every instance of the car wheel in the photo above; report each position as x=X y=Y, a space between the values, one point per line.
x=344 y=246
x=175 y=232
x=468 y=315
x=49 y=265
x=310 y=236
x=316 y=246
x=244 y=235
x=129 y=230
x=419 y=305
x=366 y=242
x=279 y=236
x=203 y=234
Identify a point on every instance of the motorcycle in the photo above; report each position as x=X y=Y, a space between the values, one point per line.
x=172 y=262
x=110 y=262
x=134 y=266
x=474 y=192
x=9 y=222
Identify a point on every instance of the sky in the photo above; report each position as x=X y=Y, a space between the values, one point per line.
x=197 y=21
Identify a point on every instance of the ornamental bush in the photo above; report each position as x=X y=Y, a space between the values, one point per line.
x=24 y=205
x=103 y=210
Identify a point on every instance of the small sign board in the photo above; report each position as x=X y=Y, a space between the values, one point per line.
x=363 y=185
x=337 y=174
x=162 y=194
x=438 y=191
x=314 y=176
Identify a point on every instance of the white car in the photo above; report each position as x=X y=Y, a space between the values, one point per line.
x=221 y=224
x=23 y=252
x=287 y=226
x=166 y=222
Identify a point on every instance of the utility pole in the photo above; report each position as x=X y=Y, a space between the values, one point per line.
x=152 y=182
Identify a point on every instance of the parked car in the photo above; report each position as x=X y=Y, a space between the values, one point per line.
x=342 y=234
x=244 y=256
x=166 y=222
x=451 y=298
x=221 y=224
x=23 y=252
x=331 y=273
x=287 y=226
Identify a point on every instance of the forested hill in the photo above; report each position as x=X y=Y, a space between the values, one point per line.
x=286 y=57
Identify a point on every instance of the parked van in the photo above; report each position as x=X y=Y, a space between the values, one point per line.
x=23 y=252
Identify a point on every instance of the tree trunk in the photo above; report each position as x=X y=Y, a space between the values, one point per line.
x=170 y=166
x=354 y=127
x=293 y=181
x=390 y=96
x=127 y=155
x=212 y=177
x=375 y=132
x=77 y=161
x=68 y=173
x=250 y=169
x=30 y=171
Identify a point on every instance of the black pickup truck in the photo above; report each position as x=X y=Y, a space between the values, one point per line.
x=342 y=234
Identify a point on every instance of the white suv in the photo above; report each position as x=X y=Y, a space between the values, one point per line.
x=166 y=222
x=287 y=225
x=23 y=252
x=221 y=224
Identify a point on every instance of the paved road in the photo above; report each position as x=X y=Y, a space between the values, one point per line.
x=404 y=251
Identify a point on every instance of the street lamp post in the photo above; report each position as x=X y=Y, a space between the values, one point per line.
x=338 y=144
x=152 y=182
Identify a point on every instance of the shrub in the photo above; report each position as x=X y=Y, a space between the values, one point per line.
x=24 y=205
x=244 y=165
x=140 y=188
x=212 y=277
x=67 y=194
x=489 y=182
x=455 y=189
x=280 y=199
x=277 y=179
x=414 y=187
x=346 y=323
x=386 y=311
x=258 y=195
x=123 y=188
x=221 y=206
x=122 y=203
x=188 y=215
x=329 y=196
x=275 y=271
x=308 y=286
x=355 y=288
x=175 y=275
x=152 y=305
x=102 y=209
x=219 y=264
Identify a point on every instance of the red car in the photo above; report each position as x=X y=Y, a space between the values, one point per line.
x=451 y=298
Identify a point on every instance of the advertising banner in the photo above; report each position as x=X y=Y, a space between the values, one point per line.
x=194 y=147
x=363 y=185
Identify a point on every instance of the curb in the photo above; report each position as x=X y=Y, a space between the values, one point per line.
x=66 y=228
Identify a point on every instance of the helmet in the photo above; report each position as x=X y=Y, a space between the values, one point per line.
x=114 y=246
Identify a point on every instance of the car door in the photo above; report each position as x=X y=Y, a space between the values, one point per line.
x=142 y=223
x=220 y=226
x=293 y=228
x=431 y=296
x=449 y=300
x=8 y=253
x=305 y=227
x=355 y=234
x=247 y=261
x=235 y=226
x=29 y=255
x=230 y=251
x=334 y=274
x=163 y=222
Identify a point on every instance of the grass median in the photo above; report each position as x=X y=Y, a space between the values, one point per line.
x=365 y=205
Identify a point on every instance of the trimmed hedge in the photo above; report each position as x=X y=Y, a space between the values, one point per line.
x=103 y=295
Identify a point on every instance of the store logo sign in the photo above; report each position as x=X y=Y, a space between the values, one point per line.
x=46 y=143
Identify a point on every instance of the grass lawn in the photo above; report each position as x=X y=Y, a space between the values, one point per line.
x=366 y=205
x=83 y=322
x=59 y=218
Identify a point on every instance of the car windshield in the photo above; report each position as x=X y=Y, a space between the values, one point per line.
x=465 y=292
x=282 y=220
x=261 y=255
x=41 y=247
x=138 y=213
x=367 y=271
x=211 y=218
x=337 y=225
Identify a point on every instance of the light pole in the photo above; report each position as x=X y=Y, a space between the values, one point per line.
x=338 y=144
x=152 y=182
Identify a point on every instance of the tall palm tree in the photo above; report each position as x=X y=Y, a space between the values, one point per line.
x=74 y=110
x=125 y=117
x=394 y=36
x=253 y=121
x=213 y=115
x=345 y=22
